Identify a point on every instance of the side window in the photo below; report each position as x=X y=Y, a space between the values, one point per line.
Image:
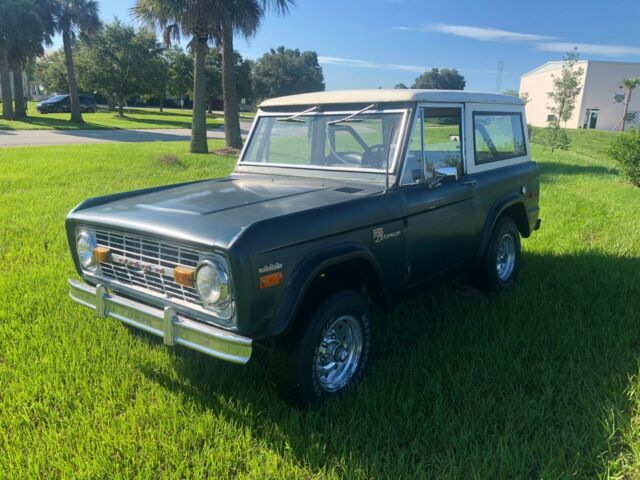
x=436 y=141
x=442 y=135
x=498 y=136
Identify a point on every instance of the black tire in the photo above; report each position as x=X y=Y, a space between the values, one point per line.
x=488 y=275
x=300 y=381
x=59 y=109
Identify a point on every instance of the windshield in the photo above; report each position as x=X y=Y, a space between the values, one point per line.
x=56 y=98
x=365 y=142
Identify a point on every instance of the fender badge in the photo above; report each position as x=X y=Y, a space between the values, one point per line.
x=270 y=268
x=379 y=235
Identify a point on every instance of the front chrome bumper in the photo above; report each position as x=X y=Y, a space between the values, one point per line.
x=174 y=329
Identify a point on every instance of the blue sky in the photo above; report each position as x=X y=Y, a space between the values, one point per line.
x=378 y=43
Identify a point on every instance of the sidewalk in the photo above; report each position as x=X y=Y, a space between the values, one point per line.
x=31 y=138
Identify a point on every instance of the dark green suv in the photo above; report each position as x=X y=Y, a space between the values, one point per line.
x=339 y=199
x=62 y=104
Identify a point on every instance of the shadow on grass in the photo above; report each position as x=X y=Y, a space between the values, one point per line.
x=551 y=169
x=51 y=123
x=54 y=124
x=522 y=384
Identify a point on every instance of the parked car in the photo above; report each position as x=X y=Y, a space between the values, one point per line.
x=62 y=104
x=338 y=200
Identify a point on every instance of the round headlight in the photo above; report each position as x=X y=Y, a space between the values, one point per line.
x=212 y=283
x=85 y=247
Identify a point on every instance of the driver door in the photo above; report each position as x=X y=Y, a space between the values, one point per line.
x=440 y=211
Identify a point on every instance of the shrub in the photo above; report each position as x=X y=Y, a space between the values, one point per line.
x=625 y=150
x=555 y=137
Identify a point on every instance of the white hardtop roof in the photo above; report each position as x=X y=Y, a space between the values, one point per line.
x=389 y=96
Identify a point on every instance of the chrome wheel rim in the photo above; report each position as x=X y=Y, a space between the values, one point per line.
x=339 y=353
x=506 y=257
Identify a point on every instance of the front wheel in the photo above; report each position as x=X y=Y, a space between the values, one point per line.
x=501 y=262
x=332 y=352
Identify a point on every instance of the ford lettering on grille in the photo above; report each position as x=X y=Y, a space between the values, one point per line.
x=148 y=264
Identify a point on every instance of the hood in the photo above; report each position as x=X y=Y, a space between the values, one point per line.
x=216 y=212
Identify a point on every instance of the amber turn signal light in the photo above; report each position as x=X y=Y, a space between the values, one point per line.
x=103 y=254
x=271 y=280
x=183 y=276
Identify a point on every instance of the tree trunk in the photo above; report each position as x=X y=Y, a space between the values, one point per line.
x=627 y=100
x=18 y=92
x=121 y=107
x=232 y=134
x=161 y=103
x=5 y=85
x=199 y=117
x=76 y=115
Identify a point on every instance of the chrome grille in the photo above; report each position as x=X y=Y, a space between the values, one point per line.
x=161 y=257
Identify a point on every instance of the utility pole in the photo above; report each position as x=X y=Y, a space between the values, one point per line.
x=499 y=76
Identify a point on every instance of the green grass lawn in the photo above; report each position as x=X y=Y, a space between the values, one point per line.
x=541 y=382
x=134 y=118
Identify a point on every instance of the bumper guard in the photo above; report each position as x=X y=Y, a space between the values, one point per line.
x=174 y=329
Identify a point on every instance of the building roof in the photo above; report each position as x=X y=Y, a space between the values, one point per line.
x=558 y=64
x=388 y=96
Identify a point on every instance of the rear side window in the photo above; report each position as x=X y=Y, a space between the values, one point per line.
x=498 y=136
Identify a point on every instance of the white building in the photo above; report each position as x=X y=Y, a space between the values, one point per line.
x=595 y=106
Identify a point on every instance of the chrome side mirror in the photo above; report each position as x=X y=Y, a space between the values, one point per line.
x=446 y=174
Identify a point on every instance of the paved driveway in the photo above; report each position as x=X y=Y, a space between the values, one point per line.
x=24 y=138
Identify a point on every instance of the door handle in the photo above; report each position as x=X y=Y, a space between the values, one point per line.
x=471 y=183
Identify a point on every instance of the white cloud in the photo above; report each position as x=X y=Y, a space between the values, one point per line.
x=352 y=62
x=485 y=34
x=589 y=48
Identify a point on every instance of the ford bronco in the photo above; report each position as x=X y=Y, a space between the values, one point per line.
x=338 y=199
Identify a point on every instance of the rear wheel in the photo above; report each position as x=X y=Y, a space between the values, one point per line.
x=500 y=264
x=332 y=352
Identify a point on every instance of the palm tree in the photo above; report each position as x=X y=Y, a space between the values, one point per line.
x=197 y=19
x=73 y=19
x=629 y=84
x=7 y=27
x=241 y=16
x=26 y=42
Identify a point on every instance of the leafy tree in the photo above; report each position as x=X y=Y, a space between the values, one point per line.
x=566 y=88
x=74 y=19
x=286 y=72
x=628 y=84
x=51 y=72
x=238 y=16
x=400 y=86
x=179 y=72
x=243 y=70
x=198 y=19
x=120 y=62
x=244 y=77
x=625 y=150
x=524 y=96
x=441 y=79
x=158 y=73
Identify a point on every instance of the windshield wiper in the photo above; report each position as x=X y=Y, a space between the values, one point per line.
x=294 y=118
x=350 y=117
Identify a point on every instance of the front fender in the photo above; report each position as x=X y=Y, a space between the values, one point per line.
x=308 y=269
